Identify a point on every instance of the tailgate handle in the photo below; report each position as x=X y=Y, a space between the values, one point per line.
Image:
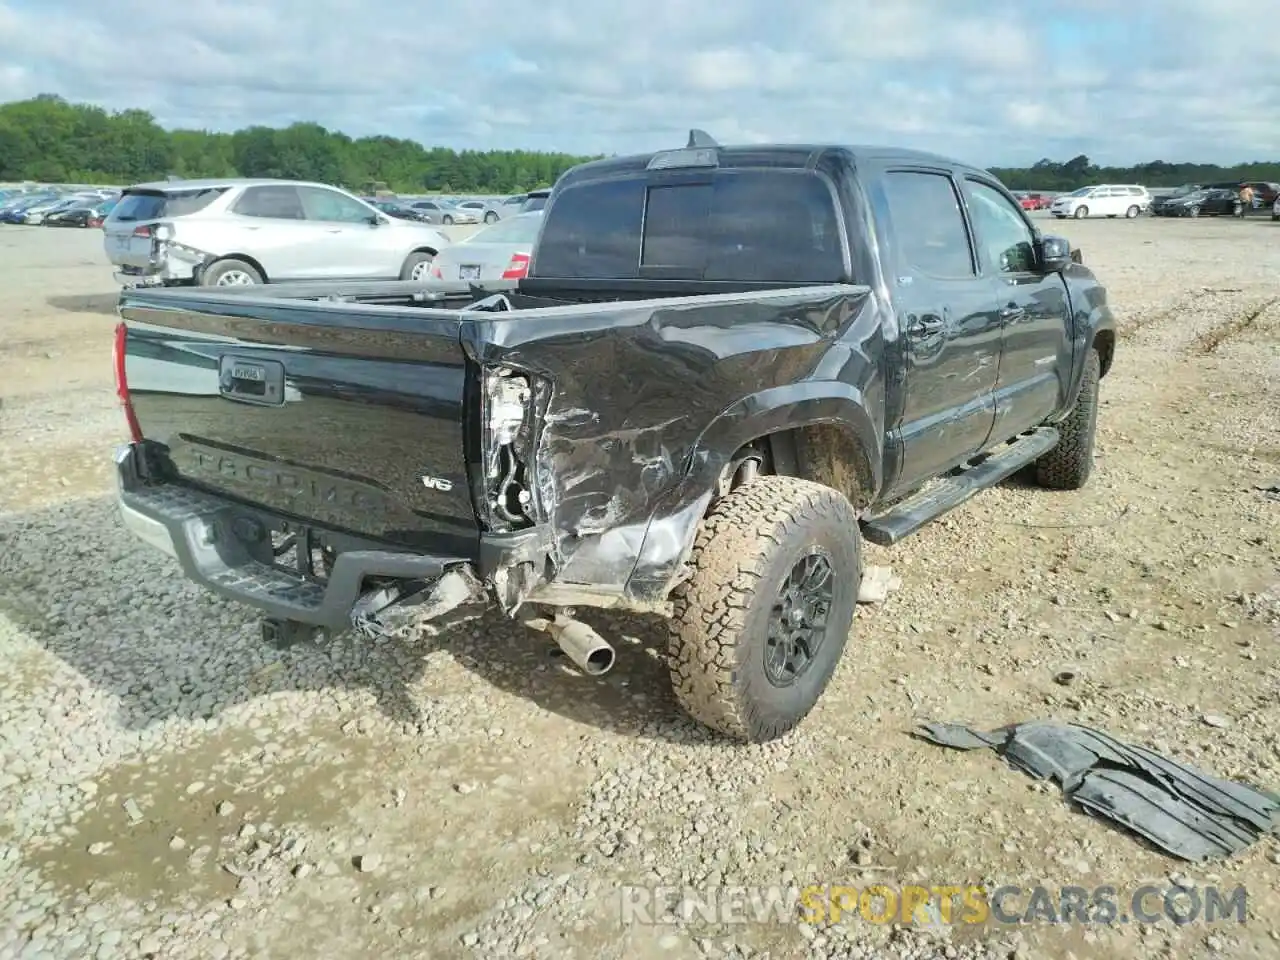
x=251 y=381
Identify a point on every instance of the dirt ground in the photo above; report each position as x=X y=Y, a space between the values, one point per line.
x=170 y=787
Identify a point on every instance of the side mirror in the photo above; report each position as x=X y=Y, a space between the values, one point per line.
x=1055 y=254
x=377 y=220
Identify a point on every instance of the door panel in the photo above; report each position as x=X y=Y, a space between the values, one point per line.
x=948 y=322
x=349 y=245
x=1035 y=314
x=273 y=226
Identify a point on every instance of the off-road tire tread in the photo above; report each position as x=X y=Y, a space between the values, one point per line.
x=730 y=558
x=1068 y=465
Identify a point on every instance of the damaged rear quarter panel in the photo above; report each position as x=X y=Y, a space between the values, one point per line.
x=627 y=454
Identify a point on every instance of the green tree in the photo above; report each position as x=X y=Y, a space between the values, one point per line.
x=46 y=138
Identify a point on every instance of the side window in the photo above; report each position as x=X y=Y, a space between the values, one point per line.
x=273 y=202
x=332 y=207
x=1004 y=238
x=1136 y=191
x=928 y=224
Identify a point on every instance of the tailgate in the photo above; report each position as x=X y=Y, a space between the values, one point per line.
x=350 y=422
x=125 y=245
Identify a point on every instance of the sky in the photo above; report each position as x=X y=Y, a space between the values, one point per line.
x=992 y=82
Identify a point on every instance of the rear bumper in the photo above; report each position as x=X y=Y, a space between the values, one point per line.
x=168 y=262
x=203 y=533
x=139 y=279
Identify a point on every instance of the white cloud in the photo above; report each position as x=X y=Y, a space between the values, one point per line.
x=991 y=81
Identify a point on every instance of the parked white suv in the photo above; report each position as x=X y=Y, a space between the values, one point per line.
x=1104 y=200
x=234 y=232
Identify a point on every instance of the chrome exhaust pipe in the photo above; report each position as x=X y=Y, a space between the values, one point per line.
x=590 y=652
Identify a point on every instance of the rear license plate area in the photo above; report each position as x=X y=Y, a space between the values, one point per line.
x=251 y=381
x=469 y=271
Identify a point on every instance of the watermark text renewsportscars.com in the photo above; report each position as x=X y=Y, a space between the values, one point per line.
x=932 y=905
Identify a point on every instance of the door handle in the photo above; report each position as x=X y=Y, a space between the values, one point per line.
x=1012 y=312
x=924 y=326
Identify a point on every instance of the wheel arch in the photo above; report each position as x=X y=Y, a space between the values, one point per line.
x=798 y=425
x=808 y=430
x=242 y=257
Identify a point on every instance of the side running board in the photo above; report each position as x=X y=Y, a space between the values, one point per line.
x=946 y=493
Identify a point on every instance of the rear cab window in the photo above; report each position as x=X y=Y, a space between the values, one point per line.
x=734 y=224
x=137 y=205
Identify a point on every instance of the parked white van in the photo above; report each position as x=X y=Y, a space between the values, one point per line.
x=1104 y=200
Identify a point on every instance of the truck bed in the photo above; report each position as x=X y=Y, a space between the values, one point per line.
x=355 y=407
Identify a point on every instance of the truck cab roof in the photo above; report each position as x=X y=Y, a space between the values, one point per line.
x=776 y=155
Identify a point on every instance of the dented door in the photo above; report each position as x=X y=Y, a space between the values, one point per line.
x=949 y=327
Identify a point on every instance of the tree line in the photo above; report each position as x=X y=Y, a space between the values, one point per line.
x=1080 y=171
x=50 y=140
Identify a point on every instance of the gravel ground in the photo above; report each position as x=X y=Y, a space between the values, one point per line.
x=169 y=787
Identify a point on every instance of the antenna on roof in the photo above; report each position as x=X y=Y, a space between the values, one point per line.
x=700 y=138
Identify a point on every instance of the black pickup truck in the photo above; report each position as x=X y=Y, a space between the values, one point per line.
x=726 y=366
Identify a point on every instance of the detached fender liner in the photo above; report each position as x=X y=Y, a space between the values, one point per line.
x=197 y=530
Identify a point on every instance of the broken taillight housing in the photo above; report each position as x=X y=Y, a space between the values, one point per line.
x=122 y=381
x=510 y=401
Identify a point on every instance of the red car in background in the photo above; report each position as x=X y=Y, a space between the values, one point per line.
x=1033 y=201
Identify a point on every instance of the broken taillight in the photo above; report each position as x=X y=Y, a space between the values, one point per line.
x=122 y=382
x=142 y=231
x=518 y=268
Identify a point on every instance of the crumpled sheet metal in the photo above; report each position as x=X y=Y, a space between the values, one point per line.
x=1180 y=809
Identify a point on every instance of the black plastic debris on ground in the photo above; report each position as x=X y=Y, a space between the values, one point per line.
x=1180 y=809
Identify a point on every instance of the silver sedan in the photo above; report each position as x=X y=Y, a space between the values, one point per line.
x=498 y=252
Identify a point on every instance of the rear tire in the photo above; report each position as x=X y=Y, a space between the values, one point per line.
x=1068 y=465
x=771 y=549
x=416 y=265
x=1132 y=213
x=447 y=220
x=1193 y=211
x=490 y=217
x=1081 y=212
x=230 y=273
